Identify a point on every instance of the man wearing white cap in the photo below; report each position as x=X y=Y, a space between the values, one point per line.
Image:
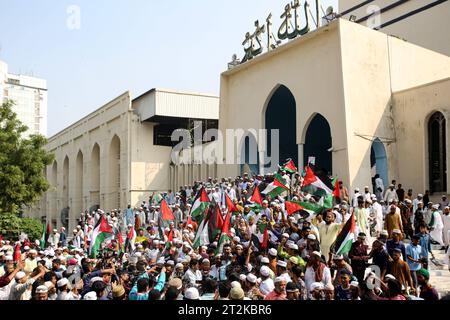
x=30 y=262
x=446 y=226
x=436 y=225
x=7 y=280
x=279 y=292
x=266 y=286
x=22 y=283
x=317 y=271
x=282 y=271
x=391 y=194
x=377 y=210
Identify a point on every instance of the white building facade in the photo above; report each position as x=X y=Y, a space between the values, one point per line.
x=30 y=97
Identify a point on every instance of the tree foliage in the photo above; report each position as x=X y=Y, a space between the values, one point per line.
x=22 y=163
x=11 y=226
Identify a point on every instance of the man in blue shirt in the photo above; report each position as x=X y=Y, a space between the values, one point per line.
x=396 y=243
x=144 y=285
x=425 y=244
x=413 y=255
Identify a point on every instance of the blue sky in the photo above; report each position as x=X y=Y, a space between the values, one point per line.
x=124 y=45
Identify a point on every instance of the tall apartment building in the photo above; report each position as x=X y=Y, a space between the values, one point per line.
x=30 y=97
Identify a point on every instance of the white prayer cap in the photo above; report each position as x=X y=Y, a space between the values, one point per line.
x=235 y=284
x=90 y=296
x=170 y=263
x=354 y=284
x=156 y=242
x=192 y=294
x=9 y=258
x=273 y=252
x=317 y=286
x=20 y=275
x=266 y=202
x=42 y=289
x=27 y=248
x=265 y=271
x=242 y=277
x=357 y=189
x=338 y=257
x=396 y=231
x=312 y=236
x=317 y=253
x=239 y=246
x=389 y=276
x=190 y=226
x=179 y=265
x=237 y=239
x=161 y=261
x=374 y=197
x=130 y=225
x=49 y=284
x=265 y=260
x=384 y=233
x=282 y=263
x=293 y=246
x=420 y=195
x=251 y=278
x=95 y=279
x=286 y=235
x=435 y=206
x=279 y=279
x=32 y=251
x=138 y=254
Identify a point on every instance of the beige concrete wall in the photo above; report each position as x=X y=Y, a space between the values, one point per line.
x=428 y=28
x=374 y=66
x=99 y=127
x=310 y=67
x=149 y=163
x=412 y=109
x=365 y=64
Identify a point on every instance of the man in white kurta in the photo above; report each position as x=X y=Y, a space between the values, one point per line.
x=436 y=225
x=446 y=229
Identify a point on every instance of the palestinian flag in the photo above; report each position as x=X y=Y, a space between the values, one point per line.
x=17 y=254
x=256 y=199
x=289 y=167
x=156 y=199
x=328 y=201
x=337 y=190
x=313 y=185
x=202 y=236
x=131 y=238
x=260 y=240
x=101 y=233
x=42 y=240
x=345 y=239
x=215 y=222
x=230 y=205
x=277 y=187
x=165 y=213
x=118 y=236
x=49 y=231
x=200 y=205
x=310 y=208
x=292 y=207
x=225 y=236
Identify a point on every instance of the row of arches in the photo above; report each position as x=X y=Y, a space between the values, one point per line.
x=281 y=114
x=82 y=189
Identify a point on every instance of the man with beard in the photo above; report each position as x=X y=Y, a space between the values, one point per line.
x=359 y=257
x=328 y=232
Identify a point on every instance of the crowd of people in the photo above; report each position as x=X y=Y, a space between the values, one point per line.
x=270 y=252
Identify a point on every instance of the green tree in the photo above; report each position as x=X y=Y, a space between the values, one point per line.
x=22 y=163
x=11 y=226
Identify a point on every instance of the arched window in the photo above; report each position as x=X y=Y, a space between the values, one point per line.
x=437 y=153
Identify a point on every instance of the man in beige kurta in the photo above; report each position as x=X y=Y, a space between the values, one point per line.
x=328 y=233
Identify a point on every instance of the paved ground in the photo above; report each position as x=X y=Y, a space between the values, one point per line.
x=440 y=276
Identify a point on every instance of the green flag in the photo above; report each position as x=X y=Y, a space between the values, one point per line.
x=42 y=241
